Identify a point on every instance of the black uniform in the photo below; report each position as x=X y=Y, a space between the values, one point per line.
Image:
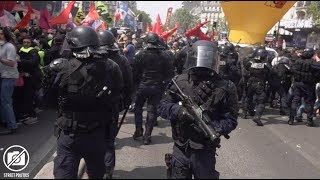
x=282 y=82
x=108 y=50
x=228 y=65
x=193 y=152
x=259 y=71
x=306 y=74
x=152 y=69
x=88 y=96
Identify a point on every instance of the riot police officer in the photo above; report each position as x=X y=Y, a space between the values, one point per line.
x=107 y=49
x=88 y=95
x=228 y=64
x=183 y=54
x=306 y=74
x=193 y=152
x=282 y=82
x=152 y=69
x=259 y=71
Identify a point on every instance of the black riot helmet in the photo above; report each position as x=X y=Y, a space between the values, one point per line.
x=114 y=31
x=152 y=38
x=181 y=43
x=81 y=37
x=223 y=50
x=307 y=53
x=261 y=54
x=230 y=46
x=202 y=57
x=107 y=40
x=82 y=41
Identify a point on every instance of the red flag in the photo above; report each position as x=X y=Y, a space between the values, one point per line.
x=117 y=16
x=157 y=27
x=203 y=36
x=92 y=15
x=63 y=16
x=167 y=34
x=7 y=5
x=26 y=19
x=196 y=30
x=102 y=26
x=44 y=19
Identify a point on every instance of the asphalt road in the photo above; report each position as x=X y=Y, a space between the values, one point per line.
x=275 y=150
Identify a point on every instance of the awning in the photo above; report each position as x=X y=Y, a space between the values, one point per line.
x=282 y=31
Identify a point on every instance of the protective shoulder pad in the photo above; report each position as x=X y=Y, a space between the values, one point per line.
x=59 y=64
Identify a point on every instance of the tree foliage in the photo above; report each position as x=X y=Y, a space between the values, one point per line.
x=314 y=12
x=184 y=19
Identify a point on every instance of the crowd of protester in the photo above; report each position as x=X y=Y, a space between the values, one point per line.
x=24 y=52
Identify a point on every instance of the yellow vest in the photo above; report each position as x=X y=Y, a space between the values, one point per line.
x=50 y=42
x=41 y=54
x=25 y=50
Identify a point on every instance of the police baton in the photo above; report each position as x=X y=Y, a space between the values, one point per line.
x=122 y=119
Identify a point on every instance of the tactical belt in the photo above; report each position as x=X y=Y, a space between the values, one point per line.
x=193 y=145
x=71 y=127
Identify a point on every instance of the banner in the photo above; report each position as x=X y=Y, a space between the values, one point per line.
x=130 y=19
x=7 y=19
x=251 y=20
x=26 y=19
x=168 y=18
x=122 y=9
x=78 y=17
x=7 y=5
x=104 y=13
x=44 y=19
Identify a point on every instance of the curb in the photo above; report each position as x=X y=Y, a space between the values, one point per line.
x=43 y=154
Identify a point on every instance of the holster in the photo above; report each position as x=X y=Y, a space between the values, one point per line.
x=168 y=161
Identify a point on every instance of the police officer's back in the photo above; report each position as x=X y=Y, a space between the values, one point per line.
x=193 y=151
x=152 y=69
x=88 y=91
x=106 y=50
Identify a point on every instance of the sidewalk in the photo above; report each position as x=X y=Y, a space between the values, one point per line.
x=37 y=139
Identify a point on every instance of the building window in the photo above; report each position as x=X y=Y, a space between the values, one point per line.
x=307 y=3
x=300 y=4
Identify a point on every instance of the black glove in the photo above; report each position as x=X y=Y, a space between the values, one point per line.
x=184 y=115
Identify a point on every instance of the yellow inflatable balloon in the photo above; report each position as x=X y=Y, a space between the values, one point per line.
x=250 y=21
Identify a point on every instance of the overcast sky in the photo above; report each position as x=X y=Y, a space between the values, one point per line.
x=154 y=7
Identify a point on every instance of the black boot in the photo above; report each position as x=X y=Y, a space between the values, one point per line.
x=138 y=133
x=290 y=122
x=146 y=140
x=310 y=123
x=147 y=135
x=245 y=115
x=298 y=118
x=256 y=119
